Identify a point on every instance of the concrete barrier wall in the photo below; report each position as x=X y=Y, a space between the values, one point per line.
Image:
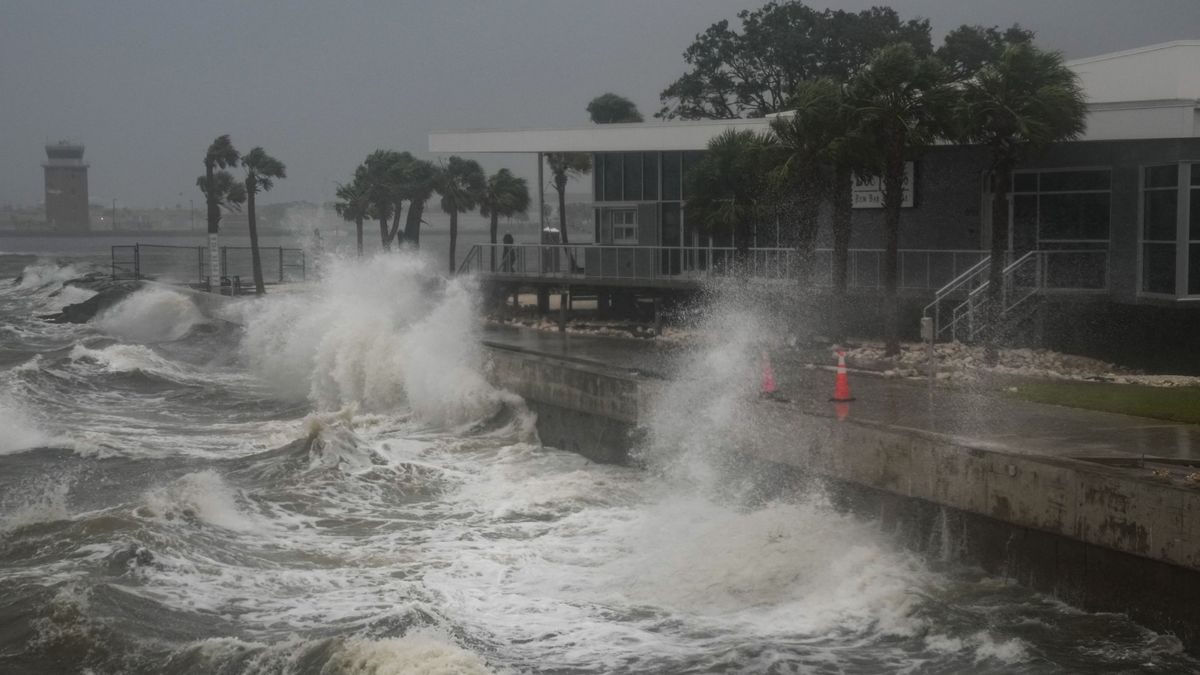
x=1094 y=535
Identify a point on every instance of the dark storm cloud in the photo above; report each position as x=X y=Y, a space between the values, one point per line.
x=147 y=84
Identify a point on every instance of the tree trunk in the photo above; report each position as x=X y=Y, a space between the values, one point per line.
x=495 y=225
x=251 y=218
x=210 y=198
x=383 y=234
x=893 y=197
x=560 y=185
x=1001 y=184
x=412 y=222
x=842 y=197
x=453 y=238
x=396 y=227
x=358 y=232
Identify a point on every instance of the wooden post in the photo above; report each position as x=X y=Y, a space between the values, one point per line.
x=562 y=311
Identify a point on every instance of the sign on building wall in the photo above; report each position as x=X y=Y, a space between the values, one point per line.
x=868 y=190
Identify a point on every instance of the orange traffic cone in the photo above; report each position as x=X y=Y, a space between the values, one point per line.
x=841 y=387
x=842 y=410
x=768 y=377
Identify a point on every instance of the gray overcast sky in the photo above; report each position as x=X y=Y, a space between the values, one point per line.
x=147 y=84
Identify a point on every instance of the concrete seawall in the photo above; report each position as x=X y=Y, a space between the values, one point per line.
x=1099 y=537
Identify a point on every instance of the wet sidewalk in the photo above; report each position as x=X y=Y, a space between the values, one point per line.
x=976 y=419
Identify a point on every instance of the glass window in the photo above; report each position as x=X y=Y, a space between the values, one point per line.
x=690 y=159
x=1074 y=181
x=1194 y=214
x=1158 y=217
x=624 y=226
x=1025 y=182
x=650 y=176
x=1196 y=174
x=1194 y=269
x=1025 y=220
x=1162 y=176
x=633 y=176
x=1081 y=215
x=671 y=174
x=1158 y=268
x=612 y=177
x=598 y=177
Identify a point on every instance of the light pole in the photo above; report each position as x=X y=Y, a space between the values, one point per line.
x=192 y=206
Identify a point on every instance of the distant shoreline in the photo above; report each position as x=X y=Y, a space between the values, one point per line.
x=137 y=233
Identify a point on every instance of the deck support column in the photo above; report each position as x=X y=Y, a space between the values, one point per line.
x=562 y=310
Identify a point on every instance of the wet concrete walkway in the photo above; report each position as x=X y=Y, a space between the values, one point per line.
x=982 y=419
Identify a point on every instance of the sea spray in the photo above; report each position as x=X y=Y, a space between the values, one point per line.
x=385 y=333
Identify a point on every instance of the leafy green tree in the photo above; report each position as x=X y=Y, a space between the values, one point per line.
x=613 y=109
x=753 y=72
x=262 y=170
x=354 y=206
x=503 y=195
x=563 y=166
x=461 y=184
x=902 y=101
x=728 y=186
x=966 y=49
x=1020 y=104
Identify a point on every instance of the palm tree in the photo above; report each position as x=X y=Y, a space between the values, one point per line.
x=262 y=170
x=1014 y=106
x=220 y=155
x=728 y=184
x=901 y=100
x=417 y=188
x=461 y=184
x=503 y=195
x=354 y=207
x=564 y=165
x=379 y=173
x=821 y=143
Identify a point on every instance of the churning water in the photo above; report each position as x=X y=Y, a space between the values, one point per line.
x=330 y=485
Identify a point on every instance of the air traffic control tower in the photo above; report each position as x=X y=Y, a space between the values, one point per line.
x=66 y=187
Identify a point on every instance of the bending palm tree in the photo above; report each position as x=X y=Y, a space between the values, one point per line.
x=262 y=170
x=901 y=100
x=354 y=207
x=727 y=185
x=220 y=155
x=460 y=183
x=1021 y=104
x=503 y=195
x=564 y=165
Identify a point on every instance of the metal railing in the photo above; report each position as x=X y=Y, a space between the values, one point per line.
x=921 y=269
x=188 y=264
x=1034 y=274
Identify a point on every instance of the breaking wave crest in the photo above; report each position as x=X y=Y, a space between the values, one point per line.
x=384 y=334
x=151 y=315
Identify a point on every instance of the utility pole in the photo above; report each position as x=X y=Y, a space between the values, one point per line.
x=114 y=218
x=192 y=206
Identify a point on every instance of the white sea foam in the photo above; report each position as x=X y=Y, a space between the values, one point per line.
x=151 y=315
x=384 y=333
x=42 y=502
x=202 y=496
x=19 y=431
x=48 y=275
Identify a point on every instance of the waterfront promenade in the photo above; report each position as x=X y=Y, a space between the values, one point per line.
x=977 y=418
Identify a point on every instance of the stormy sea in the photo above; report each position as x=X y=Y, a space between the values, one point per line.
x=324 y=481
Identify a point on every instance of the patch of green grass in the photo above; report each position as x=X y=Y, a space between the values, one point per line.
x=1177 y=404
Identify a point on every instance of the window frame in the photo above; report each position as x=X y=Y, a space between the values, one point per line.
x=629 y=225
x=1038 y=192
x=1182 y=240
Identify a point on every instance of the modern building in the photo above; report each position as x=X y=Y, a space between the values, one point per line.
x=1113 y=217
x=66 y=187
